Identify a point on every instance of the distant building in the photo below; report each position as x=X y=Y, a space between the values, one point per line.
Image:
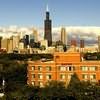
x=99 y=43
x=63 y=36
x=48 y=29
x=35 y=34
x=81 y=45
x=4 y=43
x=0 y=41
x=26 y=41
x=44 y=43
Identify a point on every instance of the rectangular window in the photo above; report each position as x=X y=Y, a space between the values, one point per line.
x=33 y=75
x=85 y=76
x=39 y=68
x=40 y=76
x=92 y=68
x=70 y=68
x=62 y=68
x=84 y=68
x=33 y=67
x=93 y=76
x=62 y=76
x=48 y=76
x=69 y=76
x=40 y=84
x=33 y=83
x=48 y=68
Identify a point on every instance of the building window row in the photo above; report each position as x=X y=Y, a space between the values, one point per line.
x=88 y=68
x=39 y=83
x=87 y=76
x=40 y=68
x=41 y=76
x=64 y=76
x=66 y=68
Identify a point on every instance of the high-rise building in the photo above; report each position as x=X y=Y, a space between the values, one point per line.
x=63 y=35
x=48 y=28
x=99 y=43
x=81 y=45
x=4 y=44
x=35 y=34
x=26 y=40
x=0 y=42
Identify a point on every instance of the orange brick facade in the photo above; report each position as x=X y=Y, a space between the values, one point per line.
x=61 y=69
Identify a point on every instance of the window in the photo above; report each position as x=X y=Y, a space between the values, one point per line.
x=62 y=76
x=33 y=76
x=48 y=76
x=40 y=76
x=69 y=76
x=84 y=68
x=62 y=68
x=40 y=84
x=48 y=68
x=92 y=68
x=70 y=68
x=85 y=76
x=33 y=67
x=39 y=68
x=93 y=76
x=33 y=83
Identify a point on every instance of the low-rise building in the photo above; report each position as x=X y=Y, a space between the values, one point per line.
x=61 y=68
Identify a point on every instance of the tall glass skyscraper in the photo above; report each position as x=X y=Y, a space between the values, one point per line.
x=48 y=28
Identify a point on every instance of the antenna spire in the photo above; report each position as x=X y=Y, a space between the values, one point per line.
x=47 y=8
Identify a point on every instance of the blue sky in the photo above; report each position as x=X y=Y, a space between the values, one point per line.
x=63 y=12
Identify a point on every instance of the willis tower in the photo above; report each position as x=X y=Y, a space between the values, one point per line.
x=48 y=28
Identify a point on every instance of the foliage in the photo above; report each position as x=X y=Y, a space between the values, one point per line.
x=16 y=88
x=23 y=57
x=42 y=47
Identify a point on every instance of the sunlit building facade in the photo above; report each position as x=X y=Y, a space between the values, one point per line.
x=61 y=68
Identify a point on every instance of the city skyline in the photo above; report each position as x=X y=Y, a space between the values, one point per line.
x=63 y=12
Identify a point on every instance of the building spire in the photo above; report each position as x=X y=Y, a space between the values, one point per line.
x=47 y=8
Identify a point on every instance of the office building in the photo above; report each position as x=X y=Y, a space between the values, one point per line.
x=81 y=45
x=63 y=35
x=99 y=43
x=26 y=41
x=0 y=41
x=44 y=43
x=4 y=44
x=48 y=28
x=35 y=34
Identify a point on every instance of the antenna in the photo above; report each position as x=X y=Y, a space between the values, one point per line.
x=47 y=8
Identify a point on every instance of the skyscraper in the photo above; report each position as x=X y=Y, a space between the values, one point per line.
x=63 y=35
x=99 y=43
x=0 y=42
x=48 y=28
x=26 y=40
x=81 y=45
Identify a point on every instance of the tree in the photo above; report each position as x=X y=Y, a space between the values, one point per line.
x=42 y=47
x=54 y=90
x=74 y=87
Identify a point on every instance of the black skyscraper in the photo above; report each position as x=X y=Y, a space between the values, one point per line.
x=48 y=29
x=26 y=40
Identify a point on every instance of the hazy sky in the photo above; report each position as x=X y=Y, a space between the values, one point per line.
x=63 y=12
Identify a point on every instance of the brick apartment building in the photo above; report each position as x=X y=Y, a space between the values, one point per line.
x=61 y=68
